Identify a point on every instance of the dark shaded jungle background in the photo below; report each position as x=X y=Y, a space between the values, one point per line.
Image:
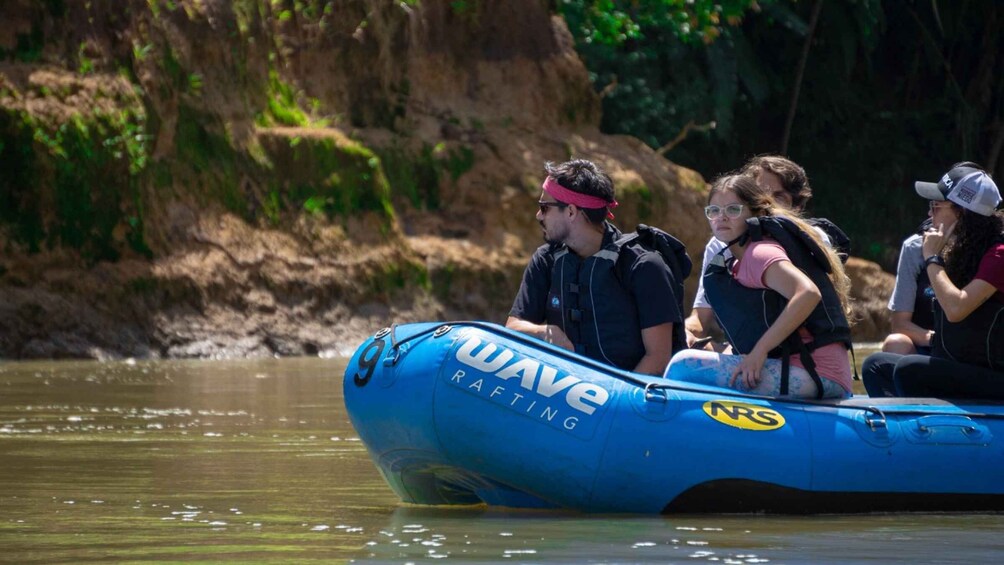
x=888 y=92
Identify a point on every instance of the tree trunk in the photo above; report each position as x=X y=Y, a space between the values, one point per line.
x=799 y=74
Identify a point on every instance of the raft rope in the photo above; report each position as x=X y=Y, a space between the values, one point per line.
x=627 y=376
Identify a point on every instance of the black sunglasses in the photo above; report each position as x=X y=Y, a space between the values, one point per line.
x=545 y=206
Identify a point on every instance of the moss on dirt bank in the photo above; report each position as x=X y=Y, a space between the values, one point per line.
x=197 y=178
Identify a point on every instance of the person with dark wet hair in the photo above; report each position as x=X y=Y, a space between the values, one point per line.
x=592 y=289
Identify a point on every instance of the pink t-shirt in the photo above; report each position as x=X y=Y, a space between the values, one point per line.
x=991 y=270
x=831 y=360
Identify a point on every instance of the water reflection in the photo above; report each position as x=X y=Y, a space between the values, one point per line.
x=414 y=533
x=256 y=461
x=479 y=535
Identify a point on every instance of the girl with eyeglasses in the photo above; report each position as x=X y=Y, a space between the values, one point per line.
x=767 y=363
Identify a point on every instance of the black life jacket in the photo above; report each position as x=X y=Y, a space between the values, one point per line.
x=589 y=302
x=839 y=240
x=745 y=314
x=923 y=300
x=976 y=340
x=674 y=254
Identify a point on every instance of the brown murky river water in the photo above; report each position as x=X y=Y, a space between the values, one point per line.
x=255 y=461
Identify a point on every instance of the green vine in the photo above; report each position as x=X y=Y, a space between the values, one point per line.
x=83 y=167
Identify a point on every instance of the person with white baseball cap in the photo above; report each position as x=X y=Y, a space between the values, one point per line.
x=964 y=259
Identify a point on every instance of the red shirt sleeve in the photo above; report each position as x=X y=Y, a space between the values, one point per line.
x=991 y=269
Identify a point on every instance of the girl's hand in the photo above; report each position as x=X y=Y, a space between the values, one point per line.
x=935 y=238
x=749 y=369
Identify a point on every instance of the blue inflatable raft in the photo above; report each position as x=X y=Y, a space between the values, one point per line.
x=470 y=413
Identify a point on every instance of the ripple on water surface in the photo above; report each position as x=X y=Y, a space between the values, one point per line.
x=256 y=461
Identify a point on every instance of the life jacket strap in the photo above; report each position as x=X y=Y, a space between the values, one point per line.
x=794 y=342
x=741 y=240
x=810 y=366
x=753 y=232
x=854 y=363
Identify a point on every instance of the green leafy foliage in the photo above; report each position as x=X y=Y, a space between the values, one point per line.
x=205 y=154
x=83 y=183
x=28 y=48
x=19 y=204
x=394 y=276
x=893 y=91
x=326 y=178
x=417 y=177
x=283 y=106
x=72 y=185
x=614 y=22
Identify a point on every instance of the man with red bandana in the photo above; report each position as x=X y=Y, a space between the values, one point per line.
x=590 y=290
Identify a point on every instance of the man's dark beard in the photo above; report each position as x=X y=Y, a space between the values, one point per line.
x=547 y=238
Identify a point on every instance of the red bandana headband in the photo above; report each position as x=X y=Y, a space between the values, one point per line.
x=562 y=194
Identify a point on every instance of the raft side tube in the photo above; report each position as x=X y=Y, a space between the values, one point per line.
x=711 y=438
x=387 y=400
x=475 y=412
x=516 y=417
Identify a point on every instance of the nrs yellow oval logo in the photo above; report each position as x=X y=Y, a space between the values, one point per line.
x=745 y=416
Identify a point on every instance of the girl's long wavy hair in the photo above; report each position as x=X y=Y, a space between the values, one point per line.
x=761 y=204
x=974 y=234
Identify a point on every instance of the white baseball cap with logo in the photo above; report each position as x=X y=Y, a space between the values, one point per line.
x=965 y=185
